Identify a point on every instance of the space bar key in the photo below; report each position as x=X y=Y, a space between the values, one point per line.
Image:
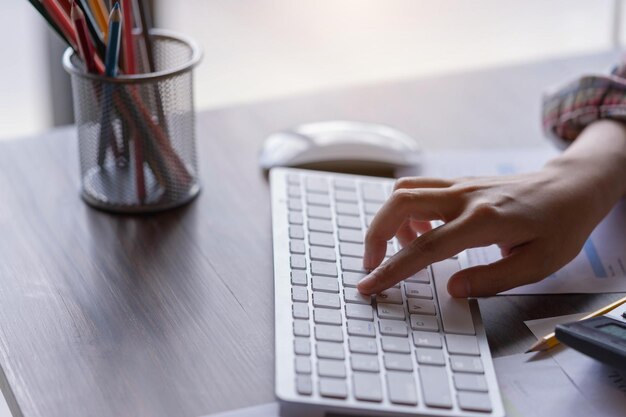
x=456 y=316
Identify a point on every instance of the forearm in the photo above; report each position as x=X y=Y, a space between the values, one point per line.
x=597 y=161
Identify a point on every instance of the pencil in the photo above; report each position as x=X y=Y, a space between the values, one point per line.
x=44 y=13
x=127 y=31
x=100 y=14
x=96 y=34
x=85 y=47
x=62 y=20
x=110 y=70
x=550 y=340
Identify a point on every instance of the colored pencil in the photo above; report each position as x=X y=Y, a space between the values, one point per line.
x=66 y=6
x=85 y=46
x=100 y=14
x=96 y=34
x=129 y=44
x=62 y=21
x=44 y=13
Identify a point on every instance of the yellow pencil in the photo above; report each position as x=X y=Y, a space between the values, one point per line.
x=550 y=340
x=100 y=13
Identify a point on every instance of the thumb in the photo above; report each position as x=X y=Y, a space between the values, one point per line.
x=523 y=266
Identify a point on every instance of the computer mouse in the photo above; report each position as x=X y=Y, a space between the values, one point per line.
x=341 y=146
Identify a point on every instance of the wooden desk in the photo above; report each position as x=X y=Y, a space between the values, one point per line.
x=172 y=314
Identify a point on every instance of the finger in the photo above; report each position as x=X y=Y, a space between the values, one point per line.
x=422 y=182
x=436 y=245
x=406 y=234
x=421 y=227
x=423 y=204
x=523 y=266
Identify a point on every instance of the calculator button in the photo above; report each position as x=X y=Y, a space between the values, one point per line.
x=401 y=387
x=434 y=382
x=473 y=401
x=367 y=387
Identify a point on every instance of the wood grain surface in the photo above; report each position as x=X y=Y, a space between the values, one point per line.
x=172 y=314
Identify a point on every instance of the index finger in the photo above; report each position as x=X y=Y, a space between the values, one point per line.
x=418 y=204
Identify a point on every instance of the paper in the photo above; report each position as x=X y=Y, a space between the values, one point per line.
x=602 y=386
x=532 y=388
x=601 y=265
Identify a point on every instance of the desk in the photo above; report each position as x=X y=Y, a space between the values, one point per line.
x=172 y=314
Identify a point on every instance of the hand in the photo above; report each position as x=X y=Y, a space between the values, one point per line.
x=539 y=220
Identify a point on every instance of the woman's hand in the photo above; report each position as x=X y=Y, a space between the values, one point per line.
x=539 y=220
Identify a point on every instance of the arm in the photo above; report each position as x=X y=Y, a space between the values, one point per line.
x=539 y=220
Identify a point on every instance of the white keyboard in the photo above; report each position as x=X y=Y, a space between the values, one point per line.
x=411 y=350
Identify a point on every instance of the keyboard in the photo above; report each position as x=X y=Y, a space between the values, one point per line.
x=410 y=350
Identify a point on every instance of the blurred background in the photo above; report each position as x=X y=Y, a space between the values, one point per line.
x=266 y=49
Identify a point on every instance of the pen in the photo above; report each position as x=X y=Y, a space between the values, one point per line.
x=550 y=340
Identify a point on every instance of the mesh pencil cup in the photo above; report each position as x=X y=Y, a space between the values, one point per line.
x=136 y=132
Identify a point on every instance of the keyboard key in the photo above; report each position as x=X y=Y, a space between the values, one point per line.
x=359 y=312
x=470 y=382
x=427 y=339
x=430 y=356
x=318 y=200
x=298 y=277
x=319 y=212
x=294 y=204
x=393 y=328
x=390 y=311
x=421 y=277
x=301 y=328
x=417 y=306
x=401 y=388
x=331 y=368
x=304 y=385
x=391 y=296
x=327 y=316
x=367 y=387
x=398 y=362
x=434 y=383
x=296 y=218
x=325 y=284
x=320 y=253
x=456 y=316
x=428 y=323
x=294 y=191
x=297 y=247
x=473 y=401
x=353 y=265
x=351 y=279
x=293 y=179
x=395 y=344
x=300 y=310
x=324 y=268
x=328 y=333
x=316 y=185
x=361 y=328
x=326 y=300
x=352 y=295
x=349 y=222
x=303 y=365
x=333 y=388
x=351 y=249
x=320 y=225
x=350 y=235
x=365 y=363
x=463 y=344
x=321 y=239
x=300 y=294
x=329 y=350
x=415 y=290
x=298 y=262
x=371 y=208
x=470 y=364
x=362 y=345
x=373 y=192
x=302 y=346
x=347 y=196
x=345 y=184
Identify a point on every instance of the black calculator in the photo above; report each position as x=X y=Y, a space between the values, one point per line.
x=602 y=338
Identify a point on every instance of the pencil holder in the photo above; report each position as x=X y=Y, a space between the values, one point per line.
x=136 y=132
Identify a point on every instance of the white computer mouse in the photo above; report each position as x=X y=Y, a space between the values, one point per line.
x=341 y=146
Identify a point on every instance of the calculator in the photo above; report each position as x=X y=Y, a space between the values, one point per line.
x=603 y=338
